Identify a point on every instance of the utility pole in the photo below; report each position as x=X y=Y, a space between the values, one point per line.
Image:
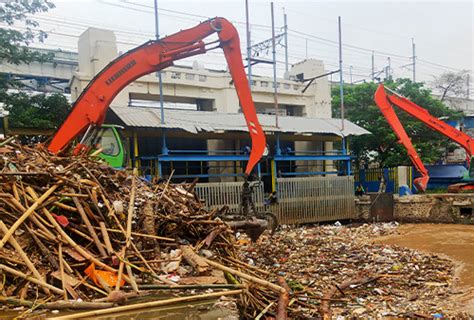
x=157 y=36
x=389 y=68
x=350 y=73
x=286 y=40
x=306 y=48
x=467 y=85
x=373 y=66
x=414 y=58
x=249 y=50
x=164 y=148
x=341 y=74
x=275 y=85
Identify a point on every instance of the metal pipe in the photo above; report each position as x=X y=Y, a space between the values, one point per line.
x=286 y=41
x=275 y=84
x=249 y=50
x=164 y=148
x=341 y=79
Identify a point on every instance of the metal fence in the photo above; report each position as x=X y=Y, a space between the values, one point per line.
x=300 y=200
x=217 y=194
x=370 y=178
x=315 y=199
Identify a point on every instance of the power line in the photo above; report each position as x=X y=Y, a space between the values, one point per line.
x=186 y=16
x=441 y=66
x=349 y=45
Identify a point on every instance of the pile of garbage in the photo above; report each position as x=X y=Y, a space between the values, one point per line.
x=338 y=271
x=77 y=234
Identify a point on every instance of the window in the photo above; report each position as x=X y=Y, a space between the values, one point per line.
x=286 y=86
x=202 y=78
x=176 y=75
x=108 y=142
x=264 y=84
x=189 y=76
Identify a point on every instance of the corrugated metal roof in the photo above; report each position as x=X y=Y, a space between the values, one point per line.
x=198 y=121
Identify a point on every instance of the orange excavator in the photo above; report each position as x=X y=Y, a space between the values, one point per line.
x=385 y=102
x=89 y=110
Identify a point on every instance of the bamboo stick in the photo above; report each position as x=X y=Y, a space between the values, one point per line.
x=105 y=236
x=245 y=276
x=61 y=269
x=15 y=192
x=132 y=278
x=71 y=194
x=31 y=279
x=246 y=265
x=131 y=208
x=144 y=235
x=59 y=305
x=7 y=141
x=187 y=286
x=64 y=206
x=27 y=213
x=96 y=153
x=88 y=224
x=264 y=310
x=120 y=270
x=128 y=234
x=150 y=304
x=23 y=256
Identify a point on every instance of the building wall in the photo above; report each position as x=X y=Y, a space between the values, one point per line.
x=97 y=48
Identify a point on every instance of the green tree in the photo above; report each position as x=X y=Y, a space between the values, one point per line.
x=26 y=110
x=382 y=146
x=14 y=43
x=452 y=84
x=38 y=111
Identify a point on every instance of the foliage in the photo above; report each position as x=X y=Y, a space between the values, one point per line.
x=36 y=111
x=14 y=43
x=381 y=146
x=452 y=84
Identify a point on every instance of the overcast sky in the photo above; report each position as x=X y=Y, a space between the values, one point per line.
x=442 y=30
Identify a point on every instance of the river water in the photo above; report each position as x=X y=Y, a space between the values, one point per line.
x=452 y=240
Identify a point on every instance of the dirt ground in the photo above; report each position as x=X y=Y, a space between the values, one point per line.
x=452 y=240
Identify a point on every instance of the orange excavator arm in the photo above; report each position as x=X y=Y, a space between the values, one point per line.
x=90 y=108
x=385 y=101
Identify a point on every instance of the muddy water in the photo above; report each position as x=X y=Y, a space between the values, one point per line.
x=453 y=240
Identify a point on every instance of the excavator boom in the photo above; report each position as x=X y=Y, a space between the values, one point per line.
x=385 y=101
x=90 y=108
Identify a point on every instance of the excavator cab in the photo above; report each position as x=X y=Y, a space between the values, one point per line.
x=109 y=139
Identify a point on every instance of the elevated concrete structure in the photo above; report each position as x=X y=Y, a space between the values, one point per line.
x=51 y=76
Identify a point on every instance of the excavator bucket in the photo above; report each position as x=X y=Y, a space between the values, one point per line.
x=421 y=183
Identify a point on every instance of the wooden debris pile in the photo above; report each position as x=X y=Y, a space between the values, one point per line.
x=77 y=234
